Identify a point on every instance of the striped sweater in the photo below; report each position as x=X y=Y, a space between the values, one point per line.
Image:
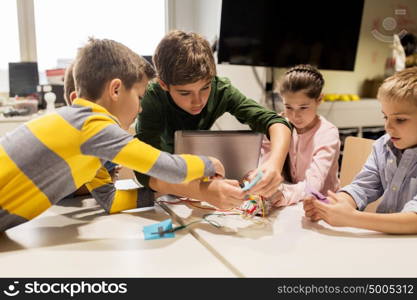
x=50 y=157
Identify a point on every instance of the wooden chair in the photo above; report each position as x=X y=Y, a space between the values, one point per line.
x=355 y=154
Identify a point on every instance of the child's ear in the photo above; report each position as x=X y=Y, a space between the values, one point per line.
x=114 y=88
x=72 y=97
x=163 y=85
x=320 y=98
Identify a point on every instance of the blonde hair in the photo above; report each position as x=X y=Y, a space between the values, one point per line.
x=401 y=86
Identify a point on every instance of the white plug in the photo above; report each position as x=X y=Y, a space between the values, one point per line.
x=50 y=101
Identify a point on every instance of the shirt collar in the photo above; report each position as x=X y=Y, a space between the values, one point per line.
x=390 y=146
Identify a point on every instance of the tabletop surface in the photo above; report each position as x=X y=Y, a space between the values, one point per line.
x=77 y=239
x=286 y=244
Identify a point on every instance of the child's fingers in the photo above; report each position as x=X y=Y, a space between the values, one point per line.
x=321 y=205
x=308 y=207
x=308 y=199
x=307 y=203
x=309 y=213
x=316 y=217
x=321 y=208
x=267 y=190
x=250 y=175
x=230 y=203
x=332 y=197
x=232 y=182
x=263 y=187
x=329 y=192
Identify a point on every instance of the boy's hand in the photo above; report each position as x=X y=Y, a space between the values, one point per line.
x=218 y=167
x=339 y=212
x=310 y=210
x=223 y=193
x=269 y=183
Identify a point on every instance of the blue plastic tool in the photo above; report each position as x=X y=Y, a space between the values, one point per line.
x=248 y=185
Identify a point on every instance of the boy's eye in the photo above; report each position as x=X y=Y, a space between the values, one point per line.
x=288 y=108
x=400 y=120
x=184 y=94
x=205 y=88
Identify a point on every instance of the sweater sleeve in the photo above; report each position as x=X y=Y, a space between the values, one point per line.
x=149 y=127
x=325 y=153
x=112 y=200
x=106 y=140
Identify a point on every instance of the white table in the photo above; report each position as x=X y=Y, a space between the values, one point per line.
x=76 y=239
x=79 y=240
x=9 y=123
x=291 y=246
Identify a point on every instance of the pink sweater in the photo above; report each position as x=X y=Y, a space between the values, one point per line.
x=313 y=159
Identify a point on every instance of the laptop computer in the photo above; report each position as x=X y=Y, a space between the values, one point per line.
x=238 y=150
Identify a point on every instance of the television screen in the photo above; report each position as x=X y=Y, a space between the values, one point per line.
x=23 y=78
x=280 y=33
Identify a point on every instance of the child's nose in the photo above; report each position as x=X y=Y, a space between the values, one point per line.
x=388 y=125
x=196 y=100
x=297 y=114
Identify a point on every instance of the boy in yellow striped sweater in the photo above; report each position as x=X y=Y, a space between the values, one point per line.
x=50 y=157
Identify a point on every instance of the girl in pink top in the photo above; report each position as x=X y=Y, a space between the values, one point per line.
x=315 y=144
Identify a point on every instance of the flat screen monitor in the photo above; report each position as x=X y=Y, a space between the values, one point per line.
x=23 y=78
x=278 y=33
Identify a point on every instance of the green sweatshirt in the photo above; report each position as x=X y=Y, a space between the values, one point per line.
x=161 y=117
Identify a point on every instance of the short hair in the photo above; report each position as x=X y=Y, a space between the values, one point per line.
x=69 y=84
x=184 y=57
x=302 y=78
x=102 y=60
x=401 y=86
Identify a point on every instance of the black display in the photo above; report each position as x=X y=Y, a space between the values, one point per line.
x=23 y=78
x=278 y=33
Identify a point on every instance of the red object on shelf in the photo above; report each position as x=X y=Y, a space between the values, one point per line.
x=55 y=76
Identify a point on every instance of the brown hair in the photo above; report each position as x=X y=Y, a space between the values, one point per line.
x=182 y=58
x=69 y=84
x=302 y=77
x=400 y=86
x=103 y=60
